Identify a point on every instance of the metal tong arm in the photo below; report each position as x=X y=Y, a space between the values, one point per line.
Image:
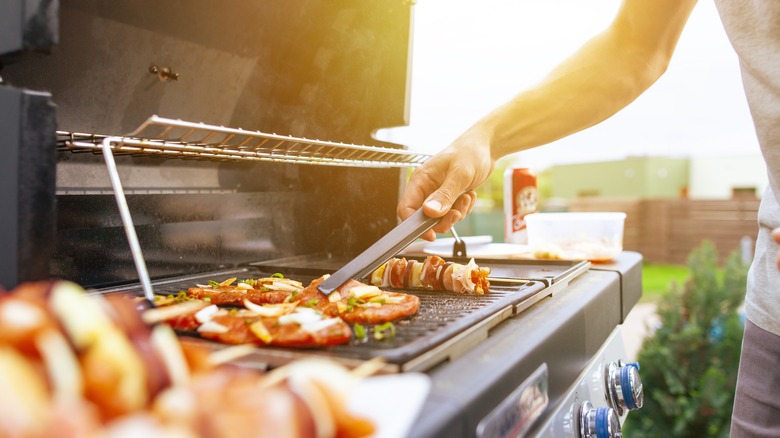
x=459 y=247
x=389 y=245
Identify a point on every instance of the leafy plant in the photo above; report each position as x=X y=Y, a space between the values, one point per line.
x=689 y=366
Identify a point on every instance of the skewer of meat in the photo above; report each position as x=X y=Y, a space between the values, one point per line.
x=74 y=365
x=95 y=348
x=433 y=273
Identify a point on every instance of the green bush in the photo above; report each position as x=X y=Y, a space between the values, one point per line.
x=689 y=366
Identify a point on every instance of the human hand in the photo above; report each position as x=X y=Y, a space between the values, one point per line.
x=776 y=237
x=444 y=185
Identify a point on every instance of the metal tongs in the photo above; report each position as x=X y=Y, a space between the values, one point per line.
x=389 y=245
x=459 y=247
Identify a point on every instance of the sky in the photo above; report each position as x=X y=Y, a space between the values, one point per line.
x=468 y=57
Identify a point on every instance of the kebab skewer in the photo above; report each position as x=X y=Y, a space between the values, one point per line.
x=432 y=273
x=74 y=365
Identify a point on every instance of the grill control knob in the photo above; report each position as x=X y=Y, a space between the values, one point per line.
x=624 y=387
x=601 y=422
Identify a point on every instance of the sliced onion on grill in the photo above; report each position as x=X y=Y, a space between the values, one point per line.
x=317 y=326
x=364 y=291
x=392 y=299
x=206 y=314
x=212 y=327
x=159 y=314
x=280 y=280
x=261 y=331
x=270 y=310
x=301 y=316
x=283 y=286
x=228 y=282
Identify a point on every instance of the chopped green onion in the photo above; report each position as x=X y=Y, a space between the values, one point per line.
x=213 y=283
x=386 y=330
x=360 y=331
x=181 y=296
x=377 y=300
x=311 y=303
x=351 y=303
x=277 y=275
x=207 y=299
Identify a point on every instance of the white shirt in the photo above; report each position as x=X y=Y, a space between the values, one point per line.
x=753 y=27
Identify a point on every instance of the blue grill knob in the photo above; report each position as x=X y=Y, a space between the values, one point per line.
x=601 y=422
x=624 y=387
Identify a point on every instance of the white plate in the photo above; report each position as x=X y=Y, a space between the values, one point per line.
x=445 y=243
x=392 y=402
x=496 y=250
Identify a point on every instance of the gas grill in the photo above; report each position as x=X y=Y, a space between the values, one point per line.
x=241 y=142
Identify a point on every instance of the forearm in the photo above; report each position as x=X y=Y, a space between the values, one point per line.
x=605 y=75
x=602 y=77
x=585 y=90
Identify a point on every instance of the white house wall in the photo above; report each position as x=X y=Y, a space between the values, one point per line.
x=715 y=177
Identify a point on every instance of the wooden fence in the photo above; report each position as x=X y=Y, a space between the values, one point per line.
x=666 y=230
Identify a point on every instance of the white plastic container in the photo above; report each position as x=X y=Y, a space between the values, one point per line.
x=597 y=237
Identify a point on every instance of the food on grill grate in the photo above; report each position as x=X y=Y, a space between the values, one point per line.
x=433 y=273
x=305 y=318
x=268 y=290
x=361 y=303
x=353 y=301
x=283 y=325
x=75 y=365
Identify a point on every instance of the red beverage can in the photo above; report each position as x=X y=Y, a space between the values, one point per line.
x=520 y=199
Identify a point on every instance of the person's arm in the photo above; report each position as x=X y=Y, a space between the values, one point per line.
x=602 y=77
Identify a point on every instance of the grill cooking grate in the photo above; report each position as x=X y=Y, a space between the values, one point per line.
x=445 y=321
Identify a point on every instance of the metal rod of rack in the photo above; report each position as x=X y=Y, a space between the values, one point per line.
x=127 y=220
x=170 y=138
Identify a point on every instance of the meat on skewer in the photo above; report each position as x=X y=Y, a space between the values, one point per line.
x=433 y=273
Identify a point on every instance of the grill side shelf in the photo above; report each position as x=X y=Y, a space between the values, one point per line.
x=171 y=138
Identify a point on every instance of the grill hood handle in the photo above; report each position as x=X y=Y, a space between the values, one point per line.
x=386 y=247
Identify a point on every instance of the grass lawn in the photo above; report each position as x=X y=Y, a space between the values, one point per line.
x=656 y=279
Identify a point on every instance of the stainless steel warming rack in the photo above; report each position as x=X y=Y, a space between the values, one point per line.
x=170 y=138
x=182 y=139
